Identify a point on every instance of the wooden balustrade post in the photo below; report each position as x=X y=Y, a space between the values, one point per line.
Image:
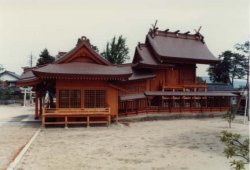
x=87 y=121
x=43 y=116
x=66 y=121
x=40 y=106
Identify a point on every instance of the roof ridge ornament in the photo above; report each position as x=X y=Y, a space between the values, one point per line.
x=154 y=29
x=177 y=33
x=198 y=35
x=166 y=30
x=83 y=39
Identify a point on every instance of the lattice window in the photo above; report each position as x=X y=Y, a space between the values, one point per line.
x=94 y=98
x=75 y=98
x=69 y=98
x=64 y=98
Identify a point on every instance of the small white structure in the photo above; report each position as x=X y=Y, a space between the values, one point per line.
x=27 y=90
x=9 y=78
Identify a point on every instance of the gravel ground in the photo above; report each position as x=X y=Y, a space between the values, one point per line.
x=187 y=144
x=14 y=133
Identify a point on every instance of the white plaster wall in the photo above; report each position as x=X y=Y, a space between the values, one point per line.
x=7 y=77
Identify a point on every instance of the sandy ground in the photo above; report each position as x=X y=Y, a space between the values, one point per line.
x=14 y=113
x=14 y=133
x=190 y=144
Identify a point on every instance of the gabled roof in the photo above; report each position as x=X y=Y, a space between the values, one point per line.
x=144 y=58
x=145 y=55
x=83 y=42
x=12 y=74
x=27 y=79
x=175 y=45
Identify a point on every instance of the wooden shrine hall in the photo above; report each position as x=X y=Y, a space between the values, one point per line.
x=81 y=87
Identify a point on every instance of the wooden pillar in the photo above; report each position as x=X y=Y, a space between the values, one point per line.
x=36 y=107
x=87 y=121
x=40 y=106
x=220 y=102
x=116 y=118
x=210 y=102
x=109 y=120
x=43 y=121
x=201 y=104
x=24 y=97
x=66 y=122
x=125 y=105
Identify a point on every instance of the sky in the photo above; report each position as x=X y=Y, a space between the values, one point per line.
x=29 y=26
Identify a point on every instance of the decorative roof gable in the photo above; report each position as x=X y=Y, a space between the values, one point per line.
x=82 y=53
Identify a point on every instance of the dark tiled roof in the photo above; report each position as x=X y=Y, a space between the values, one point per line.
x=161 y=93
x=10 y=73
x=27 y=78
x=180 y=46
x=220 y=87
x=141 y=74
x=76 y=68
x=146 y=59
x=27 y=75
x=145 y=55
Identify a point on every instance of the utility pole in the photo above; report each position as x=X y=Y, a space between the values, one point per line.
x=31 y=59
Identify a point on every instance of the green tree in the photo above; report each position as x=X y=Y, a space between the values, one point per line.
x=200 y=80
x=232 y=65
x=1 y=68
x=95 y=48
x=230 y=115
x=245 y=47
x=236 y=147
x=45 y=58
x=116 y=52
